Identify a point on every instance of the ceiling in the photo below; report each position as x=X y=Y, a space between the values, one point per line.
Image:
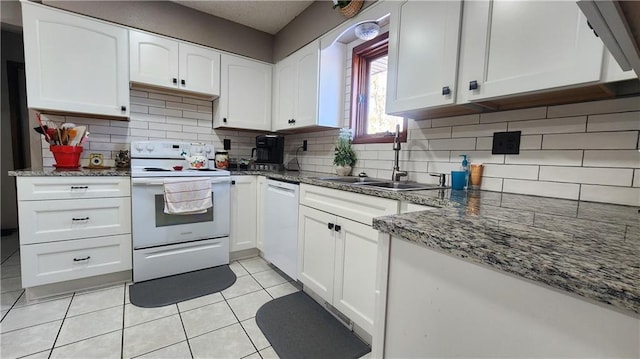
x=264 y=15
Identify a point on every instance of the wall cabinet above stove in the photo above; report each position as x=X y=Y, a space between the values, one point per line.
x=74 y=64
x=176 y=65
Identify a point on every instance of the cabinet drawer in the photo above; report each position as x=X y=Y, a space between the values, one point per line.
x=67 y=260
x=358 y=207
x=47 y=221
x=38 y=188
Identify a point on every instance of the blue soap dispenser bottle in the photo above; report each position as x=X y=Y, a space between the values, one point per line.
x=464 y=166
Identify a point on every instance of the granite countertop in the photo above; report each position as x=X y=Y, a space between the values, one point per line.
x=54 y=172
x=589 y=249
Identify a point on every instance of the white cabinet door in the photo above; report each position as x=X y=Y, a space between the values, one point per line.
x=514 y=47
x=284 y=94
x=199 y=69
x=355 y=272
x=316 y=251
x=75 y=64
x=260 y=209
x=154 y=60
x=423 y=55
x=243 y=213
x=245 y=94
x=307 y=60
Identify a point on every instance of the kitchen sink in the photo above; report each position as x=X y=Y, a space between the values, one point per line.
x=402 y=186
x=351 y=179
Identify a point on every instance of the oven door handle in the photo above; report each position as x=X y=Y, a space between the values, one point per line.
x=160 y=182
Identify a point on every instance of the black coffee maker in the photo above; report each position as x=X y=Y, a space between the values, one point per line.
x=269 y=152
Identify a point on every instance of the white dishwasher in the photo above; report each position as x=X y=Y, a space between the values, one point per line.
x=281 y=226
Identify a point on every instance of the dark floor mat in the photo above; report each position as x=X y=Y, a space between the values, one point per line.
x=178 y=288
x=298 y=327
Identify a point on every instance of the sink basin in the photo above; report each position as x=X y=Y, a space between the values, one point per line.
x=402 y=186
x=351 y=179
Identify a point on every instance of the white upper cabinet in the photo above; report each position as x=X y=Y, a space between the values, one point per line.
x=162 y=62
x=423 y=55
x=516 y=47
x=245 y=94
x=75 y=64
x=308 y=88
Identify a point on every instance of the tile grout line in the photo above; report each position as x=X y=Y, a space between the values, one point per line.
x=61 y=325
x=124 y=304
x=184 y=330
x=240 y=323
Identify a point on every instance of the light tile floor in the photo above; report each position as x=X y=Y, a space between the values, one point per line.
x=104 y=324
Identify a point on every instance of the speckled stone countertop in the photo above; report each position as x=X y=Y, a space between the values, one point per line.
x=52 y=171
x=589 y=249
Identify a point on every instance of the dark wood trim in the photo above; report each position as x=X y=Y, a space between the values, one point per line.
x=362 y=57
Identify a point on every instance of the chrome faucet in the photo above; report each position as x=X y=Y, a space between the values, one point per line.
x=396 y=174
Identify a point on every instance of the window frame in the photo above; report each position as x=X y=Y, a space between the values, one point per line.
x=362 y=56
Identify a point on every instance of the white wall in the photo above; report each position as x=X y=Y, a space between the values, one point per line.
x=586 y=151
x=155 y=116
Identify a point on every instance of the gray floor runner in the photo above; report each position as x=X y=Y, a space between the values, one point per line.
x=298 y=327
x=178 y=288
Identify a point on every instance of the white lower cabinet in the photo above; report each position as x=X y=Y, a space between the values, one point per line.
x=243 y=216
x=260 y=209
x=73 y=228
x=337 y=248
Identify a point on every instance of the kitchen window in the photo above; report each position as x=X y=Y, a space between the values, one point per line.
x=369 y=121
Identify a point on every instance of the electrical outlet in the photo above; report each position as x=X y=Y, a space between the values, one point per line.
x=506 y=143
x=227 y=144
x=304 y=145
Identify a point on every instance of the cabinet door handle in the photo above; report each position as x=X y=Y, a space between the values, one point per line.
x=330 y=225
x=233 y=183
x=82 y=259
x=123 y=108
x=79 y=187
x=446 y=91
x=293 y=121
x=80 y=219
x=337 y=228
x=175 y=81
x=224 y=120
x=473 y=85
x=183 y=82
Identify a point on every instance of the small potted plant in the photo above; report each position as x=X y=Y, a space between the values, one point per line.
x=344 y=157
x=348 y=8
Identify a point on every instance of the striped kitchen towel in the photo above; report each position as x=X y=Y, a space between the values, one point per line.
x=187 y=195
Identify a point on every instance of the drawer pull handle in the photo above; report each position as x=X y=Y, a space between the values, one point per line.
x=79 y=187
x=80 y=219
x=337 y=228
x=330 y=225
x=81 y=259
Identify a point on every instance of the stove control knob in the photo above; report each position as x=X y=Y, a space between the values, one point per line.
x=150 y=147
x=139 y=147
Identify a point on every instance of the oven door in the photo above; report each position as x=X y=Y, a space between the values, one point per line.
x=152 y=227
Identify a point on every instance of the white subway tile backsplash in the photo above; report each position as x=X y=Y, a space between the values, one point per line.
x=182 y=121
x=138 y=108
x=636 y=178
x=456 y=121
x=546 y=157
x=514 y=115
x=484 y=143
x=541 y=188
x=137 y=93
x=165 y=112
x=182 y=106
x=612 y=158
x=592 y=140
x=595 y=107
x=146 y=101
x=205 y=109
x=94 y=129
x=552 y=125
x=429 y=133
x=453 y=144
x=477 y=157
x=478 y=130
x=194 y=101
x=589 y=175
x=491 y=184
x=621 y=195
x=443 y=167
x=614 y=122
x=511 y=171
x=413 y=124
x=147 y=117
x=165 y=97
x=531 y=142
x=165 y=127
x=129 y=124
